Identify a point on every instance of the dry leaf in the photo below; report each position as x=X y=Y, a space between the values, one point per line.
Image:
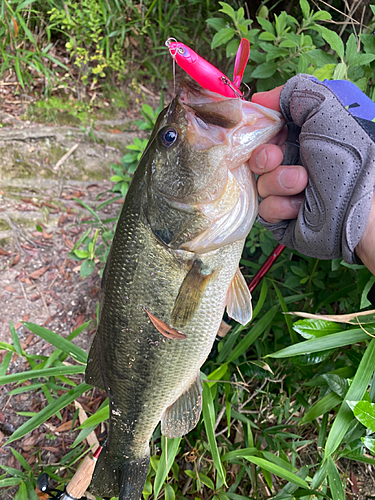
x=65 y=427
x=16 y=259
x=9 y=288
x=38 y=272
x=3 y=252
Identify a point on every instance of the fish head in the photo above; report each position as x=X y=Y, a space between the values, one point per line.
x=200 y=192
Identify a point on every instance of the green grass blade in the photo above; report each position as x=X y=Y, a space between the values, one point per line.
x=340 y=339
x=253 y=334
x=262 y=298
x=48 y=412
x=279 y=471
x=337 y=491
x=48 y=372
x=5 y=363
x=324 y=405
x=355 y=392
x=243 y=452
x=208 y=412
x=169 y=451
x=20 y=459
x=288 y=319
x=63 y=344
x=16 y=340
x=100 y=416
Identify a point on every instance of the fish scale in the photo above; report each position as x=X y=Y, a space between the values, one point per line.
x=173 y=261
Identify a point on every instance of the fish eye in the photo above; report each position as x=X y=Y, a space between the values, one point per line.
x=168 y=137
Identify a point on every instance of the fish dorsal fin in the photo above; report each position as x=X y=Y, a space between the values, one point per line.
x=189 y=294
x=92 y=375
x=239 y=300
x=184 y=413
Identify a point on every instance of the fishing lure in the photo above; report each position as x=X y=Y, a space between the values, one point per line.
x=205 y=73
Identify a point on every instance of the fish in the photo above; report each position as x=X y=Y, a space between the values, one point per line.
x=172 y=270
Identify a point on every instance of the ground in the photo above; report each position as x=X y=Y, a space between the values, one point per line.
x=43 y=169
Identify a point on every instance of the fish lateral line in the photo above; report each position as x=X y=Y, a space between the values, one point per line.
x=164 y=329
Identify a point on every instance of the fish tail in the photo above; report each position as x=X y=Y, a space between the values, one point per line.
x=119 y=477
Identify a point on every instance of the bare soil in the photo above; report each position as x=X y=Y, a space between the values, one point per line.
x=43 y=169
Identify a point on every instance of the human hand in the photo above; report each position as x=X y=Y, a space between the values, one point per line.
x=338 y=151
x=280 y=186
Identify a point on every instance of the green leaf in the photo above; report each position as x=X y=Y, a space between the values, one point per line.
x=208 y=413
x=20 y=459
x=21 y=493
x=279 y=471
x=265 y=70
x=99 y=416
x=351 y=50
x=53 y=338
x=81 y=254
x=325 y=72
x=340 y=71
x=169 y=493
x=355 y=393
x=253 y=334
x=87 y=267
x=364 y=300
x=341 y=339
x=364 y=411
x=49 y=372
x=333 y=40
x=313 y=328
x=5 y=363
x=169 y=451
x=16 y=340
x=305 y=8
x=337 y=384
x=324 y=405
x=335 y=484
x=241 y=453
x=49 y=411
x=369 y=443
x=223 y=36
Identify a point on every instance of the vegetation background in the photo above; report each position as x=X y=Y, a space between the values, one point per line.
x=289 y=405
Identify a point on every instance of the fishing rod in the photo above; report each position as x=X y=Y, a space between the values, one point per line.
x=79 y=483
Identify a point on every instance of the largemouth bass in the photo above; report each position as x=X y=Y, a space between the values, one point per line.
x=172 y=270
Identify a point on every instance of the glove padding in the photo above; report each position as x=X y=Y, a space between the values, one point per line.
x=337 y=149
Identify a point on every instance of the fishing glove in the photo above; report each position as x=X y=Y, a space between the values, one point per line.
x=333 y=124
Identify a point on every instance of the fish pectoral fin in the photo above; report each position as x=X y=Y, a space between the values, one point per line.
x=184 y=413
x=189 y=294
x=164 y=329
x=239 y=299
x=92 y=374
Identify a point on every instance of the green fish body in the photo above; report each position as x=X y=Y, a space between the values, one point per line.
x=172 y=270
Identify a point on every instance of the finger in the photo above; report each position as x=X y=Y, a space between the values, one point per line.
x=265 y=158
x=268 y=99
x=286 y=180
x=281 y=137
x=277 y=208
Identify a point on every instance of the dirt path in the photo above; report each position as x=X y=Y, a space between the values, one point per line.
x=42 y=170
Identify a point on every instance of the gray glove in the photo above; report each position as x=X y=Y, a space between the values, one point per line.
x=337 y=149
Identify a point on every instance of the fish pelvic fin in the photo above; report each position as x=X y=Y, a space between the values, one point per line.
x=184 y=413
x=239 y=300
x=124 y=479
x=92 y=374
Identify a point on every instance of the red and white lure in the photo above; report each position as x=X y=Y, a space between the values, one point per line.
x=205 y=73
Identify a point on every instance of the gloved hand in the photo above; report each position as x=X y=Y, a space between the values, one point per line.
x=336 y=146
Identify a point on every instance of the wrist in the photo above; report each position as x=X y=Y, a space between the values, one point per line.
x=365 y=249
